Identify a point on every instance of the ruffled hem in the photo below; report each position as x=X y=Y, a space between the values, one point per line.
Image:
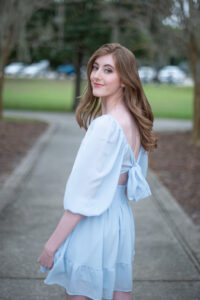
x=90 y=282
x=125 y=291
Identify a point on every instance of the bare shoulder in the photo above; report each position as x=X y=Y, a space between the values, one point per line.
x=130 y=129
x=126 y=120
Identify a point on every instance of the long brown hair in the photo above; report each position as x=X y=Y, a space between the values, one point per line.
x=133 y=94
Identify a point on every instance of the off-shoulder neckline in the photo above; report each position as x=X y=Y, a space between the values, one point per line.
x=121 y=129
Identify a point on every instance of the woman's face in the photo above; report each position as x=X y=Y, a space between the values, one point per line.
x=104 y=78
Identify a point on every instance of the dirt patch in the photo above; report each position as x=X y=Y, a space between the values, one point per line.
x=177 y=164
x=16 y=138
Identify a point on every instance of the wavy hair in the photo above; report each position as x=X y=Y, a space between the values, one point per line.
x=133 y=94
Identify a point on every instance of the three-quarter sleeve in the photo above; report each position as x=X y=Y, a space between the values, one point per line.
x=94 y=177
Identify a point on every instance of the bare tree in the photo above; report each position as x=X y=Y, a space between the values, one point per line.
x=124 y=14
x=14 y=16
x=188 y=16
x=184 y=16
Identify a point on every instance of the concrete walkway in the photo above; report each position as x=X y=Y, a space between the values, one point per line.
x=167 y=260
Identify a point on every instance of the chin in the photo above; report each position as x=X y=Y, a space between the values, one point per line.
x=97 y=94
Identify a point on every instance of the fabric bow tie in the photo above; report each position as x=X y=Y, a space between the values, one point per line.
x=137 y=186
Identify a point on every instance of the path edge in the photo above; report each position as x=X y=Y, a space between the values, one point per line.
x=179 y=222
x=13 y=182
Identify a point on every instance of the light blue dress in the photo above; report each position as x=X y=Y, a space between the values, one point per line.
x=96 y=258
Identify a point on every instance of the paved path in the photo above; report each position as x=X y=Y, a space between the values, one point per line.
x=167 y=260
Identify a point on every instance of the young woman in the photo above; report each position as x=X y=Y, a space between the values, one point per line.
x=91 y=250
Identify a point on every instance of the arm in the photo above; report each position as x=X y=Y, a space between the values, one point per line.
x=67 y=223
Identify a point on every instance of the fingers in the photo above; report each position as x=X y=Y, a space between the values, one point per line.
x=46 y=260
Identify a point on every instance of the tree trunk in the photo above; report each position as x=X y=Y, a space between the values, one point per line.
x=1 y=95
x=78 y=78
x=115 y=30
x=4 y=60
x=195 y=67
x=196 y=119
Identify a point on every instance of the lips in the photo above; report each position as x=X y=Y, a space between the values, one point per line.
x=97 y=84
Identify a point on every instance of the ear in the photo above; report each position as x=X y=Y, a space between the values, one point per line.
x=122 y=85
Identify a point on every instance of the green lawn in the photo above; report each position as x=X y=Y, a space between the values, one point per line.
x=37 y=94
x=170 y=101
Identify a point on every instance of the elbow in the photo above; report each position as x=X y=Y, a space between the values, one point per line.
x=76 y=216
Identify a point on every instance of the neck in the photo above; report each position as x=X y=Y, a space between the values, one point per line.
x=112 y=105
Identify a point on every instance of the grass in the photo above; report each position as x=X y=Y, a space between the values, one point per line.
x=57 y=95
x=170 y=101
x=20 y=119
x=35 y=94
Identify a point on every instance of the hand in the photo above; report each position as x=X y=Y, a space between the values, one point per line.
x=46 y=259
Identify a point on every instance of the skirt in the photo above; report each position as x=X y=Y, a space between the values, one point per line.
x=96 y=258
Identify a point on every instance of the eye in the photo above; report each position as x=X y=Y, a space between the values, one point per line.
x=93 y=67
x=109 y=70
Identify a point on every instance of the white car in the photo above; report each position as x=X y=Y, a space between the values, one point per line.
x=146 y=74
x=171 y=74
x=35 y=69
x=14 y=68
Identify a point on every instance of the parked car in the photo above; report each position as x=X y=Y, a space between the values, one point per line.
x=67 y=69
x=147 y=74
x=171 y=74
x=49 y=74
x=35 y=69
x=14 y=68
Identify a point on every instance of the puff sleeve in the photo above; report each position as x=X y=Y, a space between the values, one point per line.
x=94 y=177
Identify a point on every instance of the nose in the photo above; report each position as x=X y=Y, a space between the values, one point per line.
x=97 y=74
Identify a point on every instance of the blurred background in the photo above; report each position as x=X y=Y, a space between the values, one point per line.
x=45 y=46
x=44 y=49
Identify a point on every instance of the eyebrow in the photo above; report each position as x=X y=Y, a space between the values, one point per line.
x=104 y=65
